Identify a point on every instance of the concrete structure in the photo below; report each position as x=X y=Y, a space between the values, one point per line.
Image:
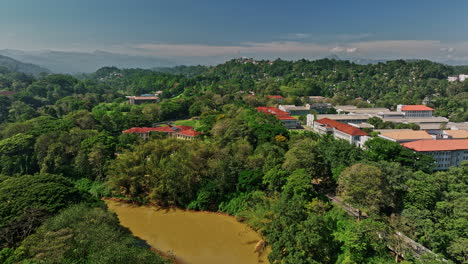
x=406 y=136
x=181 y=132
x=415 y=111
x=362 y=125
x=340 y=130
x=461 y=78
x=446 y=153
x=295 y=110
x=347 y=119
x=288 y=121
x=144 y=98
x=320 y=107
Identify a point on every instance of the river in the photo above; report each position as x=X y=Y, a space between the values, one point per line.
x=193 y=237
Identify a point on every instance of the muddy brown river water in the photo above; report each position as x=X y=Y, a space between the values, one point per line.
x=193 y=237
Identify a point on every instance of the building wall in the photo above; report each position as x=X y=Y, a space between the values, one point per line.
x=290 y=123
x=411 y=114
x=446 y=159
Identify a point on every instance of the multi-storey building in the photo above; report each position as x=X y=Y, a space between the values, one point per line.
x=415 y=111
x=446 y=153
x=340 y=130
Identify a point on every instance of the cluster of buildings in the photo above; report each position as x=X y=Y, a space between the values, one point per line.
x=460 y=78
x=420 y=115
x=144 y=98
x=448 y=147
x=180 y=132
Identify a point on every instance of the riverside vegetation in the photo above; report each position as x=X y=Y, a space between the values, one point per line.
x=61 y=149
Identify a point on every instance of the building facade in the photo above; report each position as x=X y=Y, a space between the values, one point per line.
x=340 y=130
x=446 y=153
x=415 y=111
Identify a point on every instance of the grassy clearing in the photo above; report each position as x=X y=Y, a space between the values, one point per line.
x=186 y=122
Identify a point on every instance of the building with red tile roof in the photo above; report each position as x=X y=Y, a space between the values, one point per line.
x=416 y=108
x=183 y=132
x=275 y=97
x=287 y=120
x=446 y=152
x=415 y=111
x=340 y=130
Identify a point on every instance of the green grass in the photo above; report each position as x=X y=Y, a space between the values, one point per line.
x=187 y=122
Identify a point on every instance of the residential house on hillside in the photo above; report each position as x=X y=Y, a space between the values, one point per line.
x=340 y=130
x=446 y=153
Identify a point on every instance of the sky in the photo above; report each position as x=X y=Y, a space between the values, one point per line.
x=216 y=29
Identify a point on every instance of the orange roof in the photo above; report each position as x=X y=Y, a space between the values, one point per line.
x=416 y=108
x=275 y=97
x=457 y=133
x=407 y=134
x=348 y=129
x=437 y=145
x=280 y=114
x=189 y=132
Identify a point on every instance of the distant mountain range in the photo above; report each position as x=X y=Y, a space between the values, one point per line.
x=18 y=66
x=82 y=62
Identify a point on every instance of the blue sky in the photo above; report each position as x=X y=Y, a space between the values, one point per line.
x=256 y=28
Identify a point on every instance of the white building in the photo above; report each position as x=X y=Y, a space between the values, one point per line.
x=340 y=130
x=446 y=153
x=460 y=77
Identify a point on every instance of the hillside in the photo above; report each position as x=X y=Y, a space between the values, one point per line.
x=18 y=66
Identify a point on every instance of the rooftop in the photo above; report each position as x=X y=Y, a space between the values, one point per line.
x=345 y=117
x=407 y=135
x=275 y=97
x=457 y=133
x=438 y=145
x=416 y=108
x=350 y=130
x=280 y=114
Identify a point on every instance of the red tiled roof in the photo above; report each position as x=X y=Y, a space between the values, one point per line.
x=275 y=97
x=189 y=132
x=280 y=114
x=271 y=110
x=416 y=108
x=348 y=129
x=437 y=145
x=281 y=117
x=6 y=93
x=140 y=129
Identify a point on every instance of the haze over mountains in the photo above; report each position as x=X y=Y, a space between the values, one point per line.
x=82 y=62
x=18 y=66
x=35 y=62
